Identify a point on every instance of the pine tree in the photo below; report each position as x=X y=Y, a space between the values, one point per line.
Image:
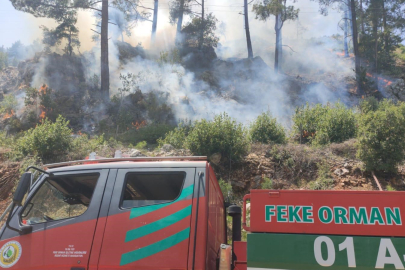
x=282 y=12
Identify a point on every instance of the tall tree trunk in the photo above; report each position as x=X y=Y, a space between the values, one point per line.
x=356 y=47
x=105 y=72
x=349 y=21
x=201 y=39
x=386 y=33
x=361 y=20
x=375 y=35
x=70 y=49
x=277 y=52
x=180 y=22
x=346 y=47
x=154 y=23
x=280 y=44
x=248 y=40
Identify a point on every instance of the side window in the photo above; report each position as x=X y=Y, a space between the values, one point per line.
x=64 y=196
x=142 y=189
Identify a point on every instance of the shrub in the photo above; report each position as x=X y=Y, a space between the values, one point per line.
x=324 y=180
x=381 y=143
x=149 y=133
x=82 y=146
x=265 y=129
x=176 y=137
x=141 y=145
x=325 y=124
x=222 y=135
x=8 y=104
x=267 y=183
x=226 y=189
x=47 y=141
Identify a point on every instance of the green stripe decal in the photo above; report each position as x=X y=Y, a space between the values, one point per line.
x=157 y=247
x=136 y=212
x=158 y=225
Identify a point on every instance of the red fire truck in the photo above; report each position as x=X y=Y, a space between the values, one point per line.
x=169 y=213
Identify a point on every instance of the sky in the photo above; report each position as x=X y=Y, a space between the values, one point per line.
x=16 y=25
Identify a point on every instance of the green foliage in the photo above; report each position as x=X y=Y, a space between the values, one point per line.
x=82 y=146
x=16 y=52
x=8 y=104
x=131 y=108
x=65 y=31
x=266 y=8
x=222 y=135
x=226 y=189
x=324 y=180
x=176 y=137
x=267 y=183
x=400 y=52
x=47 y=141
x=5 y=141
x=44 y=99
x=172 y=57
x=325 y=124
x=192 y=32
x=390 y=188
x=3 y=58
x=141 y=145
x=381 y=143
x=176 y=10
x=265 y=129
x=149 y=133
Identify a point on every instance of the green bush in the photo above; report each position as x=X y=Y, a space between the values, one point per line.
x=82 y=146
x=324 y=180
x=226 y=189
x=267 y=183
x=176 y=137
x=8 y=104
x=141 y=145
x=47 y=141
x=149 y=133
x=325 y=124
x=265 y=129
x=222 y=135
x=3 y=58
x=381 y=143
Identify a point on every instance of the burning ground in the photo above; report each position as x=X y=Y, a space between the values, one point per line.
x=192 y=84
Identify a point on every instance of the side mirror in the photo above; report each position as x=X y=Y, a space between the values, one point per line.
x=22 y=188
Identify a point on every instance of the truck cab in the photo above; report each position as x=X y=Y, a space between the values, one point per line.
x=125 y=213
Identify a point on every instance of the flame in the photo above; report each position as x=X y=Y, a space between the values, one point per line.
x=8 y=115
x=43 y=113
x=306 y=134
x=380 y=79
x=139 y=125
x=43 y=89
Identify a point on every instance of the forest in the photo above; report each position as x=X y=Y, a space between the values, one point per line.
x=271 y=104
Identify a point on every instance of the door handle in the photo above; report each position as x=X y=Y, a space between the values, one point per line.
x=77 y=268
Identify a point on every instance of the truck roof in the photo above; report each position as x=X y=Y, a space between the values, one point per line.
x=121 y=163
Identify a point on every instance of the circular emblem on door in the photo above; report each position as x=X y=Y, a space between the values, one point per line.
x=10 y=253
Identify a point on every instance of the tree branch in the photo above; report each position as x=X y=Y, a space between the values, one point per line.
x=95 y=31
x=289 y=48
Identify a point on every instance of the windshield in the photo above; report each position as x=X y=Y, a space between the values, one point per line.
x=63 y=197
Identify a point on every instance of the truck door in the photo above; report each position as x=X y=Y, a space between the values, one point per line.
x=63 y=212
x=148 y=223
